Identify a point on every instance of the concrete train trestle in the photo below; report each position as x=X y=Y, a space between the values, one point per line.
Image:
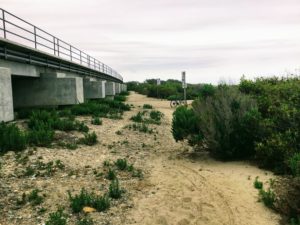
x=32 y=77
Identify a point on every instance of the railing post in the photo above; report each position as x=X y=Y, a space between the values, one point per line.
x=35 y=44
x=57 y=47
x=80 y=57
x=3 y=17
x=54 y=47
x=71 y=52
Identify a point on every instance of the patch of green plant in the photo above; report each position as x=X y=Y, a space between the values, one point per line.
x=120 y=98
x=84 y=198
x=156 y=116
x=121 y=164
x=114 y=189
x=106 y=163
x=41 y=135
x=294 y=164
x=11 y=138
x=267 y=197
x=111 y=174
x=96 y=121
x=138 y=118
x=68 y=145
x=34 y=198
x=57 y=218
x=140 y=127
x=147 y=106
x=85 y=221
x=258 y=184
x=118 y=132
x=29 y=171
x=130 y=168
x=22 y=200
x=89 y=139
x=137 y=173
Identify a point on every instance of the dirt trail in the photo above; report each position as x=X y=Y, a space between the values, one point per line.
x=196 y=190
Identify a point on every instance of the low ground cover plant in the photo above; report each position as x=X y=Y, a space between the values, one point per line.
x=147 y=106
x=57 y=218
x=90 y=199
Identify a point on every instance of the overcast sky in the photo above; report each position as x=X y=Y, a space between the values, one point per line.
x=212 y=40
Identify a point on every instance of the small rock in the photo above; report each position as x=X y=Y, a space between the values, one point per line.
x=88 y=209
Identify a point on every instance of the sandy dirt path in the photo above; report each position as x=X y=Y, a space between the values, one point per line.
x=183 y=188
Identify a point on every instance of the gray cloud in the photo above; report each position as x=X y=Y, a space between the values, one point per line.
x=210 y=39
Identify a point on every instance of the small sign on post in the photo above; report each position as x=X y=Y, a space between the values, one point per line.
x=184 y=86
x=158 y=81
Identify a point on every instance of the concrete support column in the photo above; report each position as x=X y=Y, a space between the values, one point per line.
x=93 y=89
x=6 y=98
x=124 y=87
x=47 y=90
x=110 y=89
x=117 y=88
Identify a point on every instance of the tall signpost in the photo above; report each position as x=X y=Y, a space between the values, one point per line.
x=184 y=86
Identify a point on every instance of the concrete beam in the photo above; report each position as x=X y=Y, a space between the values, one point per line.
x=20 y=69
x=6 y=99
x=93 y=89
x=46 y=91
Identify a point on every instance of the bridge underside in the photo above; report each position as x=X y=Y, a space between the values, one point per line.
x=23 y=85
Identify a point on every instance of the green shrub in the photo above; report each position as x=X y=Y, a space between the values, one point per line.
x=278 y=101
x=137 y=173
x=111 y=174
x=294 y=164
x=34 y=198
x=96 y=121
x=114 y=189
x=229 y=123
x=138 y=118
x=268 y=197
x=121 y=164
x=41 y=135
x=120 y=98
x=147 y=106
x=82 y=127
x=155 y=117
x=84 y=198
x=11 y=138
x=124 y=93
x=258 y=184
x=185 y=125
x=207 y=90
x=89 y=139
x=101 y=203
x=57 y=218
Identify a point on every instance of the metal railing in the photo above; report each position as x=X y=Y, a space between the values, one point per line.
x=16 y=29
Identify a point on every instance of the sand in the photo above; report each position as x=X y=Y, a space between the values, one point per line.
x=179 y=187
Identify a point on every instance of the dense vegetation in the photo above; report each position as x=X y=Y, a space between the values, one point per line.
x=170 y=89
x=257 y=120
x=42 y=124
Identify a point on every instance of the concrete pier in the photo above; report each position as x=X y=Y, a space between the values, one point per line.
x=117 y=88
x=110 y=89
x=93 y=88
x=47 y=90
x=6 y=99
